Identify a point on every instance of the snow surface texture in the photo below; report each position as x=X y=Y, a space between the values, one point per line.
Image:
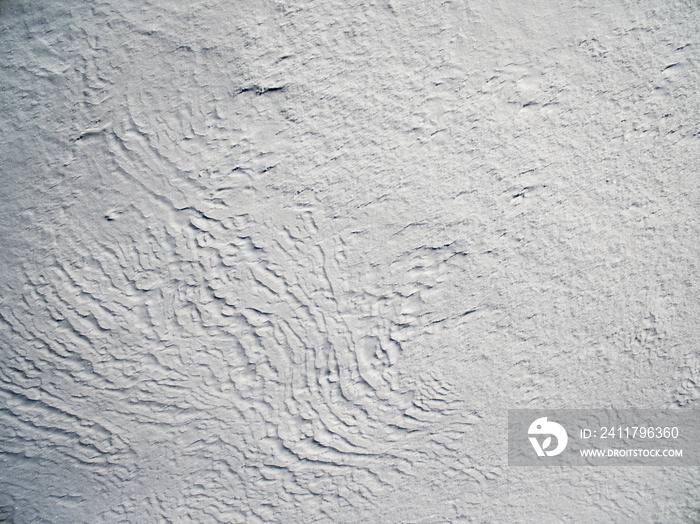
x=293 y=261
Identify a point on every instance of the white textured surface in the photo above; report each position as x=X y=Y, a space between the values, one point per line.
x=271 y=261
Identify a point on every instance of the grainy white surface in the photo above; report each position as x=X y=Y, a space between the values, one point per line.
x=292 y=261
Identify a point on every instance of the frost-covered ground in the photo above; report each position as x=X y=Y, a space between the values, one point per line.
x=293 y=261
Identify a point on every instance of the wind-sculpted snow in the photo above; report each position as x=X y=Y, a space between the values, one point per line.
x=293 y=262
